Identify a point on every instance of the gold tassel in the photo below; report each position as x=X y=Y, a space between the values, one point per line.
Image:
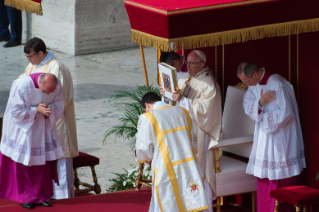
x=26 y=5
x=227 y=37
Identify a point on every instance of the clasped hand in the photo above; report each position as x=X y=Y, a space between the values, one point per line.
x=44 y=109
x=266 y=97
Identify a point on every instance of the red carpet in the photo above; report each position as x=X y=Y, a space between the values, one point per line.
x=124 y=201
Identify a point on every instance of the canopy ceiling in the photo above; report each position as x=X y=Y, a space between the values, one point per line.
x=189 y=24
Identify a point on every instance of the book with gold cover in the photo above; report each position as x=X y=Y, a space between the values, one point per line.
x=168 y=79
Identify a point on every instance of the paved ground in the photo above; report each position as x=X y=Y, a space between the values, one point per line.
x=96 y=77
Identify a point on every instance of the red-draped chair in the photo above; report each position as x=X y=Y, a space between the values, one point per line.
x=84 y=160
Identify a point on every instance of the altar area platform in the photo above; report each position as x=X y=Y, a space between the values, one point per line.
x=123 y=201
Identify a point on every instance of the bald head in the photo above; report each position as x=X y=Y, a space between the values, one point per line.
x=48 y=83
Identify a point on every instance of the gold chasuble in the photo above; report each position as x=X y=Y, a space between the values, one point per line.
x=165 y=138
x=202 y=98
x=66 y=125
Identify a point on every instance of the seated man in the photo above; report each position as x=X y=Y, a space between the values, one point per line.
x=165 y=137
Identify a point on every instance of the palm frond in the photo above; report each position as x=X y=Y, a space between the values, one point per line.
x=130 y=103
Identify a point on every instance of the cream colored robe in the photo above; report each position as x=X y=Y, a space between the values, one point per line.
x=66 y=125
x=203 y=100
x=165 y=138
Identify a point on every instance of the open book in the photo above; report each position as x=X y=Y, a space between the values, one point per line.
x=168 y=79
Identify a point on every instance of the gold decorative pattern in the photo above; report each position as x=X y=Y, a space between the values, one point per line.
x=166 y=159
x=174 y=12
x=183 y=161
x=227 y=37
x=242 y=86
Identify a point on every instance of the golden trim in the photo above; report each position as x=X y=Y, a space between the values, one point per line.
x=199 y=209
x=45 y=68
x=26 y=5
x=174 y=12
x=223 y=70
x=166 y=106
x=174 y=129
x=189 y=123
x=216 y=62
x=227 y=37
x=289 y=58
x=185 y=160
x=166 y=159
x=157 y=191
x=297 y=67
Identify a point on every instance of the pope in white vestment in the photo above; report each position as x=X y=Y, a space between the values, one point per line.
x=165 y=137
x=66 y=125
x=200 y=95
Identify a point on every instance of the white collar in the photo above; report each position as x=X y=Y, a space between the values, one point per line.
x=47 y=58
x=159 y=104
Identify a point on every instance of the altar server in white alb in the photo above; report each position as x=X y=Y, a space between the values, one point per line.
x=30 y=140
x=277 y=156
x=165 y=136
x=43 y=61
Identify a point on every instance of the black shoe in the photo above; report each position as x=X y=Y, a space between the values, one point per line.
x=28 y=205
x=46 y=204
x=12 y=43
x=4 y=39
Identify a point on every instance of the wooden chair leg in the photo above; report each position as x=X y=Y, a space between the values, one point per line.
x=138 y=184
x=76 y=179
x=218 y=204
x=305 y=208
x=253 y=201
x=297 y=208
x=97 y=187
x=276 y=205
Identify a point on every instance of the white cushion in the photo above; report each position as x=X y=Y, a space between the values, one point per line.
x=233 y=178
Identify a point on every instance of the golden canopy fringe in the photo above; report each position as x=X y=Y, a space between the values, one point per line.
x=26 y=5
x=226 y=37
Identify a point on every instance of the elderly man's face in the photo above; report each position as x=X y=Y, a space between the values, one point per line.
x=194 y=64
x=249 y=81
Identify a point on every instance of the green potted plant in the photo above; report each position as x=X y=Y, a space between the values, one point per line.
x=130 y=103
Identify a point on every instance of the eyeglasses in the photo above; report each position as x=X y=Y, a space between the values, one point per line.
x=247 y=81
x=193 y=63
x=30 y=56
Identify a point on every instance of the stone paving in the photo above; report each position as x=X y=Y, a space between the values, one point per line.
x=96 y=77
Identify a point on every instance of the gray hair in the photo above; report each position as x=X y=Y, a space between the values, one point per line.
x=248 y=69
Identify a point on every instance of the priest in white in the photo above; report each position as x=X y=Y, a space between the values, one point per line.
x=30 y=140
x=200 y=95
x=43 y=61
x=277 y=156
x=165 y=137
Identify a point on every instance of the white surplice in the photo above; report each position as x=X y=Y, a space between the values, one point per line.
x=28 y=137
x=278 y=150
x=66 y=125
x=165 y=137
